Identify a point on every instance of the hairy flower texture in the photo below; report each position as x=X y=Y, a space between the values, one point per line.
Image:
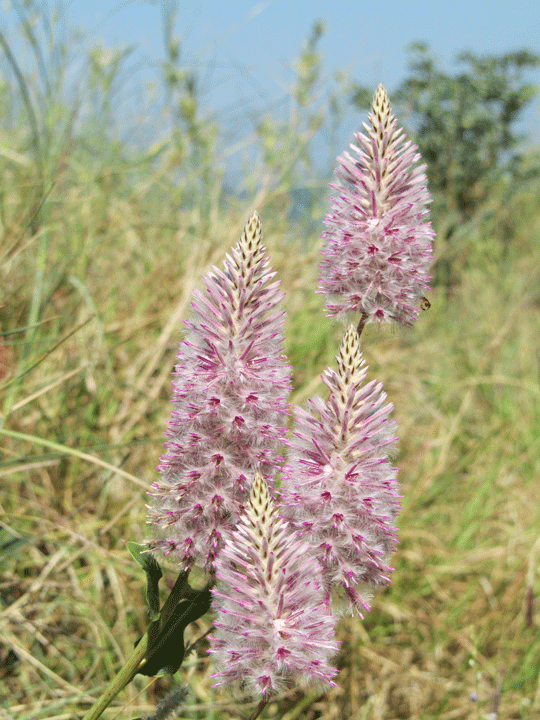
x=230 y=406
x=273 y=624
x=378 y=246
x=339 y=489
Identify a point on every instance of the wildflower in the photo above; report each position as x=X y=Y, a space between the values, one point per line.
x=339 y=488
x=229 y=393
x=378 y=245
x=273 y=624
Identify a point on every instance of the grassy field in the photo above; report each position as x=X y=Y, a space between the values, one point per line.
x=99 y=253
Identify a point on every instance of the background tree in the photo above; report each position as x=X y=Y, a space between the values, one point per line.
x=465 y=127
x=464 y=124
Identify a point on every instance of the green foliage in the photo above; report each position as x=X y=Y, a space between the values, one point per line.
x=165 y=646
x=464 y=123
x=465 y=127
x=153 y=575
x=192 y=137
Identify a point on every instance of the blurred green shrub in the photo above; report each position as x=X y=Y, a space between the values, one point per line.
x=465 y=127
x=464 y=124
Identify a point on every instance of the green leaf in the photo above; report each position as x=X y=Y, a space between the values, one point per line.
x=153 y=575
x=166 y=646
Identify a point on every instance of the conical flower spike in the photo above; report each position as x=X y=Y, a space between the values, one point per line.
x=273 y=625
x=230 y=405
x=340 y=489
x=378 y=246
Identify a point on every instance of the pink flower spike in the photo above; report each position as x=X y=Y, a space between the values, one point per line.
x=273 y=624
x=378 y=246
x=230 y=391
x=339 y=489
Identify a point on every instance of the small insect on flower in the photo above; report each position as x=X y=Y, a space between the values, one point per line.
x=424 y=303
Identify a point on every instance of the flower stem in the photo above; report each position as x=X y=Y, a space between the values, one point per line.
x=258 y=710
x=119 y=682
x=362 y=323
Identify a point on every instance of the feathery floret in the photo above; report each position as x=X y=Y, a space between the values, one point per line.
x=273 y=624
x=230 y=405
x=378 y=246
x=339 y=488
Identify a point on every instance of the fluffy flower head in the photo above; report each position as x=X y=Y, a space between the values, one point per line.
x=339 y=488
x=230 y=405
x=378 y=246
x=273 y=624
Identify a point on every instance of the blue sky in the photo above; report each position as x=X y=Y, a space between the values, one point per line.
x=244 y=49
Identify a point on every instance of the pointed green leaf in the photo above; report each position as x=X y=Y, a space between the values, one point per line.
x=166 y=647
x=153 y=574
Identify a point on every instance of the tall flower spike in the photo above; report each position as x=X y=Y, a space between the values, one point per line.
x=378 y=246
x=339 y=488
x=273 y=624
x=230 y=405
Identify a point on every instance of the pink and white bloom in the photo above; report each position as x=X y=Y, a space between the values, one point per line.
x=230 y=392
x=378 y=245
x=339 y=488
x=273 y=625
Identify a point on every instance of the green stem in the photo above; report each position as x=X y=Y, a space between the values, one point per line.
x=258 y=710
x=123 y=678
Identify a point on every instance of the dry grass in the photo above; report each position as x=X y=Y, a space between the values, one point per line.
x=105 y=273
x=461 y=615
